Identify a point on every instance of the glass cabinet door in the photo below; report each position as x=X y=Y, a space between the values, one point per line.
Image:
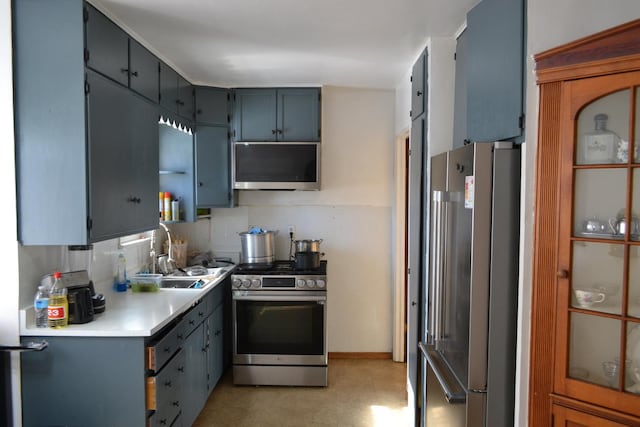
x=600 y=309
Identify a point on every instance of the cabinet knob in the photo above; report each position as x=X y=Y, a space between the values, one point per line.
x=418 y=93
x=562 y=274
x=176 y=403
x=124 y=70
x=134 y=199
x=200 y=183
x=163 y=421
x=134 y=73
x=167 y=349
x=273 y=131
x=167 y=384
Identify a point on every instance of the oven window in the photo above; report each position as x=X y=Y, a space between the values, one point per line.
x=285 y=327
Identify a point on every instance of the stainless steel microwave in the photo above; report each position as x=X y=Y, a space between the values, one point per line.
x=275 y=165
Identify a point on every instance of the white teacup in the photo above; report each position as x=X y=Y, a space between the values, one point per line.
x=588 y=297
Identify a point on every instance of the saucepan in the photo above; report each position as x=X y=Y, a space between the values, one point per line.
x=307 y=245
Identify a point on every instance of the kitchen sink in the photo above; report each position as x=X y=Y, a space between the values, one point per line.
x=182 y=283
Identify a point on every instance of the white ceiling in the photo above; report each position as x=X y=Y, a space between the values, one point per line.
x=235 y=43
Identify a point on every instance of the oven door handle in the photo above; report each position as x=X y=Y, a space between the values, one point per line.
x=281 y=298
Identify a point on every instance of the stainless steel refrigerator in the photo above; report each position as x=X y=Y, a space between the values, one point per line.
x=469 y=343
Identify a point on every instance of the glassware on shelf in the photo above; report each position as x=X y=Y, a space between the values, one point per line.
x=610 y=369
x=601 y=145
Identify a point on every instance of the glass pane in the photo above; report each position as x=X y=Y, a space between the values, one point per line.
x=603 y=130
x=633 y=308
x=594 y=347
x=632 y=377
x=599 y=196
x=637 y=125
x=596 y=277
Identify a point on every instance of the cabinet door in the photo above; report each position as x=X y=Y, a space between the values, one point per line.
x=195 y=381
x=168 y=88
x=418 y=86
x=215 y=354
x=107 y=47
x=185 y=99
x=143 y=70
x=298 y=115
x=213 y=177
x=495 y=70
x=598 y=304
x=460 y=103
x=255 y=115
x=122 y=193
x=212 y=106
x=565 y=417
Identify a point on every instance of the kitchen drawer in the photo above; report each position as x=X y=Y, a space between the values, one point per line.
x=164 y=392
x=161 y=351
x=194 y=317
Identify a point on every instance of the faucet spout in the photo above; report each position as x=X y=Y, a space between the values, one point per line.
x=166 y=229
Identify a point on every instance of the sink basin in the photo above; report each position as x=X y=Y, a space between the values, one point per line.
x=211 y=273
x=182 y=283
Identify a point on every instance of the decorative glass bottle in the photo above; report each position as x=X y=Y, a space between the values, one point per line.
x=600 y=146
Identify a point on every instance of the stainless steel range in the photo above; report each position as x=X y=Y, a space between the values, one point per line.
x=279 y=325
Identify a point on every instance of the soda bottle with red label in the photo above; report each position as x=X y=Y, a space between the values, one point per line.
x=58 y=310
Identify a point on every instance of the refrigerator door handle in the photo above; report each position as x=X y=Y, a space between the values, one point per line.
x=453 y=391
x=439 y=240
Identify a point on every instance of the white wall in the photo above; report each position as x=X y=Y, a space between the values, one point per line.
x=551 y=23
x=351 y=213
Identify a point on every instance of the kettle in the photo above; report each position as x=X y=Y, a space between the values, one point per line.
x=80 y=304
x=619 y=224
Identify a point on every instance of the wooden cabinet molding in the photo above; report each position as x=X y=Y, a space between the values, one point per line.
x=608 y=52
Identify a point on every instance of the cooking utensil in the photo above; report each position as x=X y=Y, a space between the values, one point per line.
x=307 y=245
x=307 y=260
x=258 y=247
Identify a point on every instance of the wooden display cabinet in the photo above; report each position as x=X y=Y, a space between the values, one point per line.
x=586 y=276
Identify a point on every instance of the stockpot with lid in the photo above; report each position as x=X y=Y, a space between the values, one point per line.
x=258 y=247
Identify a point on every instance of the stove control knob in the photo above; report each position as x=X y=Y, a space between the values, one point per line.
x=236 y=283
x=246 y=283
x=311 y=283
x=300 y=283
x=255 y=283
x=321 y=283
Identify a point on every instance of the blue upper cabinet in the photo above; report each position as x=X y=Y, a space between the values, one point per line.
x=418 y=86
x=282 y=114
x=460 y=102
x=212 y=106
x=176 y=93
x=111 y=52
x=494 y=70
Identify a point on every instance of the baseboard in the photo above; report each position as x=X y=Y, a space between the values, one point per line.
x=350 y=355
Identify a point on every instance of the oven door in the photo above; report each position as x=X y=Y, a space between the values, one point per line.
x=279 y=328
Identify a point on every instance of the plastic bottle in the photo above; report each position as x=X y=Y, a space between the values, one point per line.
x=167 y=206
x=175 y=210
x=40 y=306
x=58 y=310
x=161 y=204
x=120 y=281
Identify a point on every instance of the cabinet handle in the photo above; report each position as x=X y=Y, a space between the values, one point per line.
x=134 y=73
x=179 y=336
x=191 y=322
x=163 y=421
x=181 y=369
x=167 y=384
x=273 y=131
x=176 y=403
x=179 y=102
x=419 y=93
x=124 y=70
x=279 y=131
x=200 y=183
x=167 y=349
x=200 y=313
x=562 y=274
x=199 y=111
x=134 y=199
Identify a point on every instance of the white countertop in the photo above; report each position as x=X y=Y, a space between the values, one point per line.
x=127 y=314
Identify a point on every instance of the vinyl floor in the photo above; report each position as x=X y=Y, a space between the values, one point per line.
x=361 y=393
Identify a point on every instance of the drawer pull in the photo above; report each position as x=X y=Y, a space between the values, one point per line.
x=181 y=369
x=167 y=349
x=163 y=421
x=176 y=403
x=167 y=384
x=191 y=322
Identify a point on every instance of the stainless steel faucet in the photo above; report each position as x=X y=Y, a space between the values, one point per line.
x=167 y=264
